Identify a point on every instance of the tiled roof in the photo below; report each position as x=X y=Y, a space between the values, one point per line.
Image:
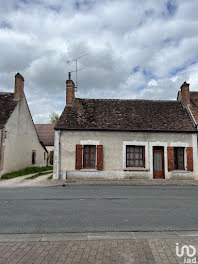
x=126 y=115
x=45 y=133
x=194 y=104
x=7 y=106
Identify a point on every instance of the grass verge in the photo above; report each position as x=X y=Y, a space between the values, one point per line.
x=25 y=171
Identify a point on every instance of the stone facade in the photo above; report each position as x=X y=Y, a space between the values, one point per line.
x=114 y=149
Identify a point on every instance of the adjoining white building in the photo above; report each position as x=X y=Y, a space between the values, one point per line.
x=114 y=138
x=19 y=143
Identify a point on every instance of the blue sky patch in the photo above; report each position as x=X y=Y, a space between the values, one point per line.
x=5 y=24
x=182 y=68
x=136 y=69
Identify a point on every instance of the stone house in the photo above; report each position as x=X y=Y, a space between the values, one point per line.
x=46 y=135
x=115 y=138
x=19 y=143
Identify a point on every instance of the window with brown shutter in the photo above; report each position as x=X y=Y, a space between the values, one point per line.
x=79 y=150
x=189 y=152
x=89 y=157
x=100 y=157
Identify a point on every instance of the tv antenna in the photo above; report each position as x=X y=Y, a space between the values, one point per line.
x=76 y=70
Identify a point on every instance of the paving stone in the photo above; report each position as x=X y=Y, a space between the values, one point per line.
x=141 y=251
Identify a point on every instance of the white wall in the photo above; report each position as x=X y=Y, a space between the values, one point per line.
x=20 y=140
x=114 y=152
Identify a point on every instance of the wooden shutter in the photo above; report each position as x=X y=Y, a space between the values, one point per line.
x=100 y=157
x=79 y=153
x=189 y=152
x=170 y=151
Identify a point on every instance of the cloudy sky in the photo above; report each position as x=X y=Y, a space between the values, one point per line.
x=135 y=49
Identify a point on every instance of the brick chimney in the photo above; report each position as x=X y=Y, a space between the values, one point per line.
x=185 y=94
x=19 y=86
x=70 y=90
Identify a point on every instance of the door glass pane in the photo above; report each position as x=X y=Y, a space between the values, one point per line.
x=157 y=161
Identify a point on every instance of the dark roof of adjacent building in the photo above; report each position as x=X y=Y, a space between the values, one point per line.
x=45 y=133
x=7 y=106
x=194 y=104
x=125 y=115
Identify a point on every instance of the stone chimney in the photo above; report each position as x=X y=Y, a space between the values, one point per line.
x=19 y=87
x=70 y=90
x=185 y=94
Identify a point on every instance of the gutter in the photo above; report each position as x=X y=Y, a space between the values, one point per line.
x=58 y=156
x=129 y=130
x=1 y=141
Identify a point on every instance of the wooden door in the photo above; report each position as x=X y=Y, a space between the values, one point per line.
x=158 y=162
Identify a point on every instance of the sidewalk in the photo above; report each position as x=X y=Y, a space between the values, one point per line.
x=100 y=181
x=44 y=181
x=107 y=248
x=23 y=181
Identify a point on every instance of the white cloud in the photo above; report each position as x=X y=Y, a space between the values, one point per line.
x=135 y=49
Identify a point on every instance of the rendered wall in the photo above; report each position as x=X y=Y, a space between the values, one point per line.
x=114 y=144
x=20 y=140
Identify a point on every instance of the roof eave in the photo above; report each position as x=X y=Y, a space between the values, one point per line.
x=129 y=130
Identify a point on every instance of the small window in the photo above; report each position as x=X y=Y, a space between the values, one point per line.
x=44 y=155
x=179 y=158
x=89 y=156
x=33 y=157
x=135 y=156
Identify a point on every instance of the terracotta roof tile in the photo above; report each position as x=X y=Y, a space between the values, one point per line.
x=45 y=133
x=128 y=115
x=7 y=106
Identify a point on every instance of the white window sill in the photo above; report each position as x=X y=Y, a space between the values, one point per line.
x=136 y=169
x=180 y=171
x=89 y=170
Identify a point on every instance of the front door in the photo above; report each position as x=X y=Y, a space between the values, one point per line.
x=158 y=162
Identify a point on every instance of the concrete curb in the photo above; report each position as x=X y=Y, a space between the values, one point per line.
x=122 y=184
x=98 y=236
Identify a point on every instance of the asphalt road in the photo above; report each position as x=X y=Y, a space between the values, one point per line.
x=98 y=208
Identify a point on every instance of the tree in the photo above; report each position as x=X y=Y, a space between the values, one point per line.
x=54 y=117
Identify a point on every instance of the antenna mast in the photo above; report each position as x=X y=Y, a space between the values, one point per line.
x=76 y=70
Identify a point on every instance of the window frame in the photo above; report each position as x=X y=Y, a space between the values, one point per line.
x=134 y=159
x=89 y=156
x=176 y=148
